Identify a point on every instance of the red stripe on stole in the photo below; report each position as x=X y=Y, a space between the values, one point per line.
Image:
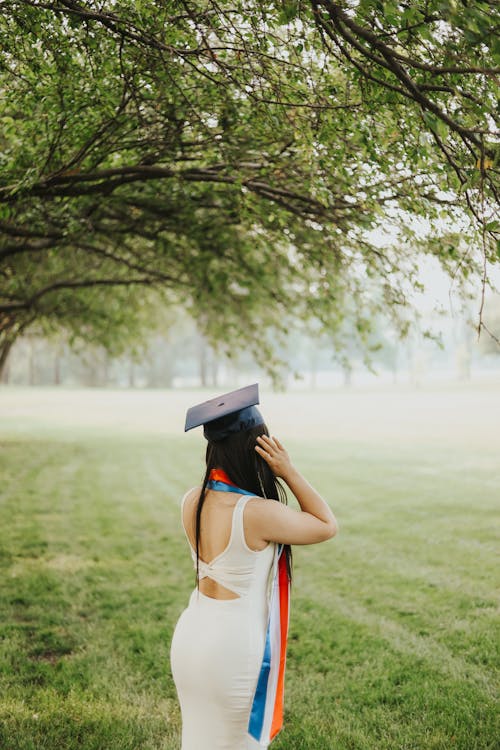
x=277 y=721
x=219 y=475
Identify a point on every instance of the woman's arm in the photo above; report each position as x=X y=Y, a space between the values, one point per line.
x=276 y=522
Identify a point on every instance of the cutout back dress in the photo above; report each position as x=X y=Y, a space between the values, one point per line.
x=218 y=644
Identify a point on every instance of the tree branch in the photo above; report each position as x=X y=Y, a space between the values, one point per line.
x=349 y=30
x=32 y=301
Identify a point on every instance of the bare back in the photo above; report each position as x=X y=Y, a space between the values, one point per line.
x=215 y=532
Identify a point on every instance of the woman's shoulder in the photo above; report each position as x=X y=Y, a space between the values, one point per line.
x=263 y=507
x=262 y=515
x=190 y=495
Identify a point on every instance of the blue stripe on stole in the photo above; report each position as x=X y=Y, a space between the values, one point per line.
x=256 y=720
x=214 y=484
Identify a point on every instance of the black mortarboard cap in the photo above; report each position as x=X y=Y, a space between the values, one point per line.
x=226 y=414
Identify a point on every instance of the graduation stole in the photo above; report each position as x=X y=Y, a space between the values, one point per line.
x=266 y=714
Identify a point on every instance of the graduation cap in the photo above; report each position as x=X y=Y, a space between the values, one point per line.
x=226 y=414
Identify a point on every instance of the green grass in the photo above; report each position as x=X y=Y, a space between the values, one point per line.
x=394 y=625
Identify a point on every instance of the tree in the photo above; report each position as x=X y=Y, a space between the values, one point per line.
x=491 y=345
x=235 y=156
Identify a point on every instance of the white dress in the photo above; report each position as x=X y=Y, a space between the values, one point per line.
x=218 y=645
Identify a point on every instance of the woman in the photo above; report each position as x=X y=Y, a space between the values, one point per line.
x=239 y=539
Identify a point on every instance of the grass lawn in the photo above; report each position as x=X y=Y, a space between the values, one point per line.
x=394 y=624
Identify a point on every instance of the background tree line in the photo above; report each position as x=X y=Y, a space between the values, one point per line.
x=178 y=355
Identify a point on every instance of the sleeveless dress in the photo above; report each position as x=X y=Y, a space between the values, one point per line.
x=218 y=645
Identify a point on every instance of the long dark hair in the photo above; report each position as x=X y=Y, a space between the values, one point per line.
x=237 y=456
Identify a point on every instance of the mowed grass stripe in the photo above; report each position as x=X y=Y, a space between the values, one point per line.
x=401 y=639
x=77 y=720
x=347 y=687
x=402 y=584
x=15 y=474
x=405 y=563
x=82 y=609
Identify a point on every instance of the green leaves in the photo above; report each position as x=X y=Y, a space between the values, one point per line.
x=436 y=124
x=493 y=226
x=227 y=157
x=290 y=9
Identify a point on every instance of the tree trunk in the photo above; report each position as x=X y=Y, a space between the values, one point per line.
x=313 y=367
x=5 y=348
x=31 y=364
x=105 y=370
x=347 y=371
x=202 y=362
x=395 y=373
x=214 y=368
x=10 y=330
x=57 y=369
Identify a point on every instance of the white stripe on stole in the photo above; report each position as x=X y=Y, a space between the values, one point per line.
x=275 y=639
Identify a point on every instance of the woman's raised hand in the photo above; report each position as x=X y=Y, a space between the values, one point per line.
x=276 y=522
x=275 y=455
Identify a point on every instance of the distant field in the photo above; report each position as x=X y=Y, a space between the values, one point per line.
x=394 y=625
x=467 y=415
